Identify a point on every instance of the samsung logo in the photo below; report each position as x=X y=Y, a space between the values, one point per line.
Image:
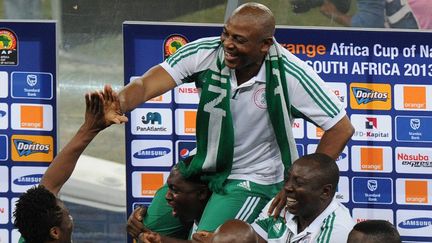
x=415 y=223
x=2 y=113
x=28 y=180
x=151 y=153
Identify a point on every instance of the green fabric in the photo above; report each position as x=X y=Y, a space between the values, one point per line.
x=242 y=200
x=21 y=240
x=215 y=132
x=159 y=217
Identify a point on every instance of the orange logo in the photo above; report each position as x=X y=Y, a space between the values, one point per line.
x=31 y=116
x=28 y=148
x=365 y=96
x=414 y=97
x=150 y=183
x=157 y=98
x=319 y=132
x=190 y=121
x=371 y=159
x=416 y=191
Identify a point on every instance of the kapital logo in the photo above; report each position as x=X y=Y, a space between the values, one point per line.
x=152 y=118
x=151 y=153
x=371 y=123
x=415 y=223
x=28 y=180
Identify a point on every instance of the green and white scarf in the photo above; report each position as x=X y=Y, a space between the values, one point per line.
x=215 y=132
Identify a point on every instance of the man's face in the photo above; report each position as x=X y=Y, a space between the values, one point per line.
x=66 y=226
x=184 y=197
x=243 y=43
x=303 y=190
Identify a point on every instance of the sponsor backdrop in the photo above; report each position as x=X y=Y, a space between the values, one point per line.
x=28 y=126
x=384 y=80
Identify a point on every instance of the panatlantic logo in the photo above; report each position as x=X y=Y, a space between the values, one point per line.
x=415 y=223
x=26 y=147
x=152 y=153
x=8 y=47
x=173 y=43
x=152 y=118
x=28 y=180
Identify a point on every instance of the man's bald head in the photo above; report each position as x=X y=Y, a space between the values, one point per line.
x=235 y=231
x=257 y=15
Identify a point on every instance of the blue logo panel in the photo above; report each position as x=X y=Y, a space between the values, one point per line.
x=372 y=190
x=3 y=148
x=414 y=129
x=184 y=148
x=32 y=85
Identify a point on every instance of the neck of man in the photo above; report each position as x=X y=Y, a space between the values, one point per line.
x=305 y=220
x=244 y=74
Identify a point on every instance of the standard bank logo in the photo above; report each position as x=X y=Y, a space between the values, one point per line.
x=35 y=85
x=366 y=96
x=413 y=129
x=146 y=121
x=372 y=190
x=152 y=153
x=32 y=148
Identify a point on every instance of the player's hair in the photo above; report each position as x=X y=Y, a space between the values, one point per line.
x=327 y=170
x=36 y=212
x=378 y=231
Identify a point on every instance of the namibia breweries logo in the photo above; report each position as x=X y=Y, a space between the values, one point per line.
x=8 y=47
x=173 y=43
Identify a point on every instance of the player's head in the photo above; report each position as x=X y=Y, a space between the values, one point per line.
x=311 y=185
x=186 y=196
x=234 y=231
x=247 y=36
x=41 y=217
x=374 y=231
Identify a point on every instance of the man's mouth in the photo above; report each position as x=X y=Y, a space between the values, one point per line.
x=230 y=56
x=291 y=202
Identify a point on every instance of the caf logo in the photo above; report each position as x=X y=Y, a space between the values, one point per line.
x=173 y=43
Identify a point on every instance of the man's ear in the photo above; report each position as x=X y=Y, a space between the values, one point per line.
x=204 y=194
x=327 y=191
x=267 y=43
x=55 y=233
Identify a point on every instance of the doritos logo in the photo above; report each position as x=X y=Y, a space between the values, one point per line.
x=150 y=183
x=31 y=116
x=371 y=158
x=190 y=121
x=365 y=96
x=416 y=191
x=32 y=148
x=414 y=97
x=370 y=96
x=371 y=123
